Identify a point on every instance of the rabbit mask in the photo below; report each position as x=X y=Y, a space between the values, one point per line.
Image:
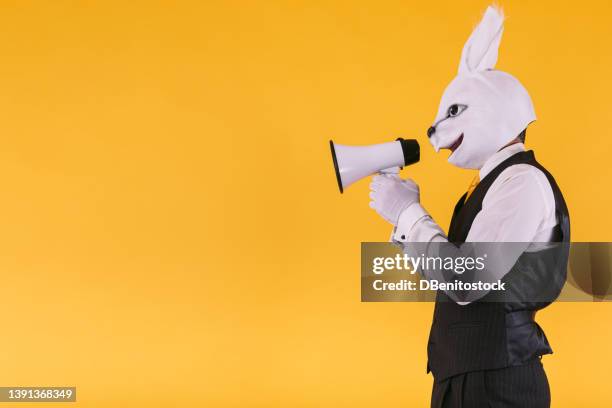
x=482 y=109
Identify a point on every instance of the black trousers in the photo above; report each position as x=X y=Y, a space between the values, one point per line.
x=524 y=386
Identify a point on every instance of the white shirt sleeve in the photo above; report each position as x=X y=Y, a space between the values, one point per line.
x=518 y=207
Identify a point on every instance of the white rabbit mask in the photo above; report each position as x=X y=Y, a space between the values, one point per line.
x=482 y=109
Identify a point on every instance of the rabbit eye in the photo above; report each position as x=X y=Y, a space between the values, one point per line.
x=455 y=110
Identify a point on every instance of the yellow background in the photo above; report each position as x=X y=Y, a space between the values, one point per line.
x=171 y=233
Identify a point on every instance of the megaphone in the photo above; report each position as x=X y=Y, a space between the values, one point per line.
x=353 y=163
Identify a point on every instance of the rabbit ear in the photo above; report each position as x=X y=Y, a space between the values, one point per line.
x=480 y=50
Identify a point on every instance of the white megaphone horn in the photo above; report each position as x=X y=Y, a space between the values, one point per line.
x=353 y=163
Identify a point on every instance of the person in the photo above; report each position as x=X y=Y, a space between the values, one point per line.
x=486 y=353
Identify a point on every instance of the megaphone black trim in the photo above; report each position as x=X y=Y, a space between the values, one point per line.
x=333 y=152
x=411 y=150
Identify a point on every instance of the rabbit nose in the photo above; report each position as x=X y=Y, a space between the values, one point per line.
x=431 y=131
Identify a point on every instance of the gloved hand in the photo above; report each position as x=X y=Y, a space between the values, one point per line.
x=391 y=195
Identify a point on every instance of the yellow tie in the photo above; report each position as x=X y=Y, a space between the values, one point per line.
x=472 y=187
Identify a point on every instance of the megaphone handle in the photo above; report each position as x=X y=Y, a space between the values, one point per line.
x=390 y=170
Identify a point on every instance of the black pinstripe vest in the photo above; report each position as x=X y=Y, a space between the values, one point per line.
x=489 y=335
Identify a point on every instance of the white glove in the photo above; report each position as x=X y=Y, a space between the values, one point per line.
x=391 y=195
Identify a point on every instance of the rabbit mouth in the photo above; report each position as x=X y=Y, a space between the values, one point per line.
x=455 y=145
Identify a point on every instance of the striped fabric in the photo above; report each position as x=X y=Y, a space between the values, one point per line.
x=524 y=386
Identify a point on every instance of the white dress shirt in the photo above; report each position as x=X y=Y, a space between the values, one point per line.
x=519 y=207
